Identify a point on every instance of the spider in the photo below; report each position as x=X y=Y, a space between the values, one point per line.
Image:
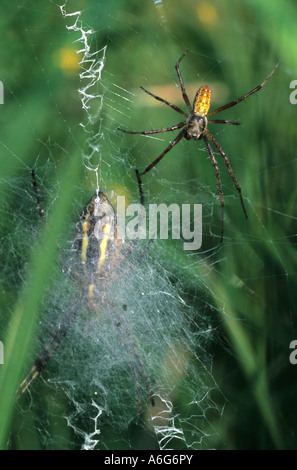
x=96 y=259
x=195 y=127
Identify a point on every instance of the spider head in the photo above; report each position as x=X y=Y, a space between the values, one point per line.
x=195 y=126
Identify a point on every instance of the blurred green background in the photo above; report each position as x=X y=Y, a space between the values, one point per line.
x=251 y=277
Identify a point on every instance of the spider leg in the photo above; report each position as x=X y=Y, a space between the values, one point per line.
x=156 y=131
x=140 y=187
x=223 y=121
x=217 y=172
x=137 y=385
x=173 y=106
x=34 y=182
x=233 y=103
x=34 y=372
x=148 y=168
x=46 y=354
x=170 y=146
x=226 y=160
x=182 y=86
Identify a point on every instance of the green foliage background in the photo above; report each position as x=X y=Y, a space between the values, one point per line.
x=253 y=283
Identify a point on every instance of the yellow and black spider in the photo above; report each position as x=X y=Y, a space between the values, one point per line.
x=96 y=255
x=195 y=127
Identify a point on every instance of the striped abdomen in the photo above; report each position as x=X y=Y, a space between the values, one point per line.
x=202 y=100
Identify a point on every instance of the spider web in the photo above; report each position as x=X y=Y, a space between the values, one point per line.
x=159 y=324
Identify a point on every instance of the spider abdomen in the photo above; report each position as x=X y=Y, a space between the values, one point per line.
x=202 y=100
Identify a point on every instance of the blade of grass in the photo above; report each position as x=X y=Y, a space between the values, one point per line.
x=26 y=311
